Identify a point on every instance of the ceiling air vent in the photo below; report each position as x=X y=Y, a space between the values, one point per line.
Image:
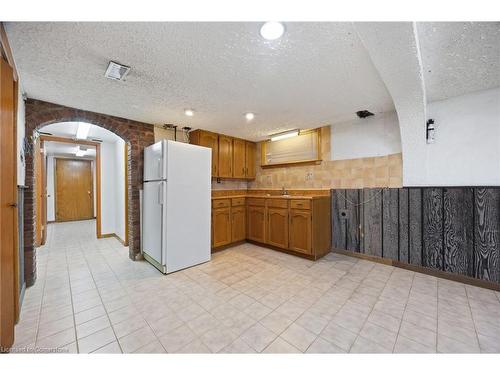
x=116 y=71
x=364 y=113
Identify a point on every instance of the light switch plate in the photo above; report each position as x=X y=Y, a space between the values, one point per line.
x=309 y=176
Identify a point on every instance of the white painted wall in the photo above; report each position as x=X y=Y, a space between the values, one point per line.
x=467 y=147
x=51 y=212
x=108 y=188
x=120 y=187
x=373 y=136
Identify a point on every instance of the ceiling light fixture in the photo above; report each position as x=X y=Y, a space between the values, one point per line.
x=83 y=130
x=284 y=135
x=272 y=30
x=189 y=112
x=79 y=152
x=249 y=116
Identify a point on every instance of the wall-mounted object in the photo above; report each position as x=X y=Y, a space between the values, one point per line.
x=304 y=148
x=364 y=113
x=430 y=131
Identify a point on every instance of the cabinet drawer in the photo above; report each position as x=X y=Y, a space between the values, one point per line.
x=237 y=202
x=303 y=204
x=278 y=203
x=220 y=203
x=256 y=202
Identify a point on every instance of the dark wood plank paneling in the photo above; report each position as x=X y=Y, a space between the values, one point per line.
x=403 y=225
x=339 y=224
x=390 y=224
x=487 y=233
x=352 y=222
x=433 y=228
x=458 y=230
x=415 y=226
x=372 y=221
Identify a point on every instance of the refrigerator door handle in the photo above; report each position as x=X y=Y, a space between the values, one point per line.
x=160 y=174
x=160 y=193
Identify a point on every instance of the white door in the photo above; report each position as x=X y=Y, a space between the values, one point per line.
x=153 y=202
x=155 y=164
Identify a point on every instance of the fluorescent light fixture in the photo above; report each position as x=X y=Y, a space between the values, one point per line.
x=189 y=112
x=272 y=30
x=284 y=135
x=83 y=130
x=249 y=116
x=79 y=152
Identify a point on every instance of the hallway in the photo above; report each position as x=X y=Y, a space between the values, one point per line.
x=89 y=297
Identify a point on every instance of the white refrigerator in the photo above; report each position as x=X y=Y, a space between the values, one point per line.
x=176 y=205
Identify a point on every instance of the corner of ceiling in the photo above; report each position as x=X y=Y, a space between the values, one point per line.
x=394 y=50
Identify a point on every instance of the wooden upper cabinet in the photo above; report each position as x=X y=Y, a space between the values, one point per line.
x=238 y=223
x=221 y=226
x=239 y=158
x=277 y=227
x=210 y=140
x=256 y=223
x=225 y=156
x=250 y=159
x=300 y=231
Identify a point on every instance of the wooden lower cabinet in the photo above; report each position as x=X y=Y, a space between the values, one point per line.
x=300 y=231
x=238 y=223
x=277 y=227
x=221 y=226
x=256 y=227
x=302 y=226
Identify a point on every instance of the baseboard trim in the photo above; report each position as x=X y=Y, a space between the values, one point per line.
x=424 y=270
x=109 y=235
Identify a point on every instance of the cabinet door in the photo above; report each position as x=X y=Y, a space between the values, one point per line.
x=221 y=226
x=211 y=140
x=238 y=223
x=239 y=159
x=256 y=223
x=277 y=227
x=250 y=160
x=225 y=156
x=300 y=231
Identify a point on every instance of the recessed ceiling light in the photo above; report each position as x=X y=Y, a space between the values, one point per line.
x=116 y=71
x=189 y=112
x=272 y=30
x=249 y=116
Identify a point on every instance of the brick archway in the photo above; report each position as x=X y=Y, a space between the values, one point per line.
x=137 y=135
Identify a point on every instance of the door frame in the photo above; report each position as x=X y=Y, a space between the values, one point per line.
x=93 y=171
x=9 y=266
x=97 y=145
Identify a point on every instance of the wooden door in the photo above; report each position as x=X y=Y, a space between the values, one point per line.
x=221 y=226
x=250 y=160
x=74 y=190
x=40 y=194
x=277 y=227
x=300 y=231
x=256 y=223
x=8 y=206
x=239 y=158
x=238 y=223
x=211 y=140
x=225 y=156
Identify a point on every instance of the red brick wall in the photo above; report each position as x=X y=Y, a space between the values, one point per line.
x=137 y=134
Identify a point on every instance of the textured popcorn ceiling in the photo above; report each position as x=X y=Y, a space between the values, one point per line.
x=459 y=57
x=316 y=74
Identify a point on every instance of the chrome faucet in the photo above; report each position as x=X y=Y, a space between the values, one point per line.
x=284 y=191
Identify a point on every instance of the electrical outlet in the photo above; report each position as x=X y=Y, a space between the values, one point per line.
x=309 y=176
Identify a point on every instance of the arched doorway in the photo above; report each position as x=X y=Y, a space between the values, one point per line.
x=137 y=135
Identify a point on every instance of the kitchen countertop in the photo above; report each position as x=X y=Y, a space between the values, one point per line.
x=272 y=196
